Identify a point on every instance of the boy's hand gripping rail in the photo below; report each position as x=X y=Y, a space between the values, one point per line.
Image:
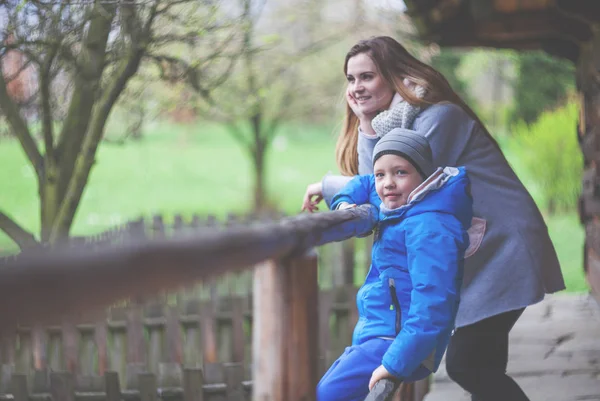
x=383 y=390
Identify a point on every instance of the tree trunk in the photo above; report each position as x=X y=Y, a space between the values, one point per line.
x=50 y=199
x=259 y=178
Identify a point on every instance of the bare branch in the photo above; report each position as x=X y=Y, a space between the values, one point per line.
x=20 y=236
x=20 y=128
x=238 y=135
x=86 y=157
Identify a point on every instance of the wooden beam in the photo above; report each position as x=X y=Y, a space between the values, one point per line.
x=533 y=25
x=285 y=330
x=48 y=286
x=587 y=10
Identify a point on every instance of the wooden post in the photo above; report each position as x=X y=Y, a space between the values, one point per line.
x=588 y=85
x=62 y=386
x=112 y=386
x=285 y=330
x=193 y=380
x=147 y=383
x=70 y=340
x=19 y=387
x=233 y=380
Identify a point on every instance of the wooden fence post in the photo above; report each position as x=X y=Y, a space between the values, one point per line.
x=148 y=387
x=62 y=386
x=285 y=330
x=19 y=388
x=193 y=382
x=112 y=386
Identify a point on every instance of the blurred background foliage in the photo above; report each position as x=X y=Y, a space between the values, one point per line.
x=268 y=130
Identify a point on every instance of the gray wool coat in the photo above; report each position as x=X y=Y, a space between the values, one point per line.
x=515 y=263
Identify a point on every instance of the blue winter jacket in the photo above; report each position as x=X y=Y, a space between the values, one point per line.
x=418 y=256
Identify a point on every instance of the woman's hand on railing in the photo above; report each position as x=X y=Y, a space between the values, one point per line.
x=312 y=197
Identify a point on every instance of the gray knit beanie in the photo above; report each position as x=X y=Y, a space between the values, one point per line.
x=408 y=144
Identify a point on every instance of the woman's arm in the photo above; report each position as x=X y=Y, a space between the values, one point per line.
x=448 y=128
x=358 y=191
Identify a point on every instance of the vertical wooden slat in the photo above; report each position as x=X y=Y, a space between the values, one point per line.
x=62 y=386
x=112 y=386
x=155 y=348
x=88 y=357
x=7 y=350
x=148 y=388
x=191 y=327
x=325 y=312
x=7 y=359
x=173 y=336
x=118 y=351
x=70 y=340
x=302 y=327
x=208 y=329
x=24 y=362
x=343 y=272
x=214 y=373
x=170 y=367
x=136 y=344
x=18 y=387
x=237 y=327
x=6 y=373
x=407 y=392
x=100 y=338
x=352 y=308
x=55 y=354
x=421 y=389
x=178 y=224
x=233 y=380
x=136 y=347
x=40 y=382
x=158 y=227
x=39 y=343
x=193 y=381
x=195 y=223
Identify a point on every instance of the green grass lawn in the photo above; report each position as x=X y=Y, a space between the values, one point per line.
x=199 y=169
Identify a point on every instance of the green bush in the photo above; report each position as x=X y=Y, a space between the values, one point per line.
x=547 y=155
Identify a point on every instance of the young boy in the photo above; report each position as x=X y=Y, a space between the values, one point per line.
x=409 y=300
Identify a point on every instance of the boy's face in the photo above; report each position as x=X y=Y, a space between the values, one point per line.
x=395 y=179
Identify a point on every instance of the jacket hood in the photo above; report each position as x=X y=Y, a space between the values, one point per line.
x=447 y=190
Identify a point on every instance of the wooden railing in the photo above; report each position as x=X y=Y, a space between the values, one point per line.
x=55 y=285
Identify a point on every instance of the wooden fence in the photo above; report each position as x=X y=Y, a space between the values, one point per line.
x=188 y=340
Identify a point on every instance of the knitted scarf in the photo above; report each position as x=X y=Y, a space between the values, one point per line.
x=401 y=114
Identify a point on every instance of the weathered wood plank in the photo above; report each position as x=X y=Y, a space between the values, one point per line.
x=268 y=333
x=301 y=325
x=148 y=387
x=62 y=386
x=286 y=330
x=99 y=277
x=193 y=380
x=18 y=387
x=112 y=386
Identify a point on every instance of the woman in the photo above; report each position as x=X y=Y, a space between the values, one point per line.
x=515 y=263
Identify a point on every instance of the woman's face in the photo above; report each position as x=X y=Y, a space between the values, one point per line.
x=367 y=86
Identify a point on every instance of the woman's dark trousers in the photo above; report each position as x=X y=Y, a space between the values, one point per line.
x=477 y=356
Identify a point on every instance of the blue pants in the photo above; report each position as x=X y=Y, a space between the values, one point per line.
x=348 y=378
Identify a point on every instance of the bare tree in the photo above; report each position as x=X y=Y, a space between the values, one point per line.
x=266 y=89
x=99 y=45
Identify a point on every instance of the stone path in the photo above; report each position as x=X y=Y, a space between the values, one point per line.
x=554 y=353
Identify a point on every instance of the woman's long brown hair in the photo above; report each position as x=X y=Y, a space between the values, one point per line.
x=394 y=63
